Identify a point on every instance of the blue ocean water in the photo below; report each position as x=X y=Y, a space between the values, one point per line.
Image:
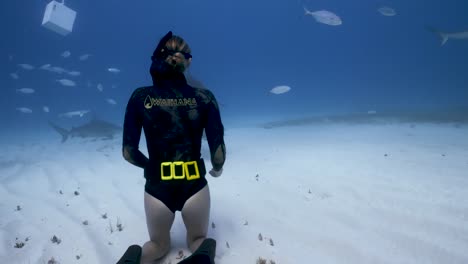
x=241 y=49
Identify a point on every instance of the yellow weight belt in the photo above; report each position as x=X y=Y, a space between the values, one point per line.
x=179 y=170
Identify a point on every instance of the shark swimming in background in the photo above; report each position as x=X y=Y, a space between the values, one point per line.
x=97 y=129
x=444 y=36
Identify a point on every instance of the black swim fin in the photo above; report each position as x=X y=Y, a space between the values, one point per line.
x=131 y=256
x=205 y=254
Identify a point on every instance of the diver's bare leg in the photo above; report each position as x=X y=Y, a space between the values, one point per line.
x=159 y=220
x=196 y=216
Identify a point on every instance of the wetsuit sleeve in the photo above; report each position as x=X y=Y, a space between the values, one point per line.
x=133 y=124
x=214 y=130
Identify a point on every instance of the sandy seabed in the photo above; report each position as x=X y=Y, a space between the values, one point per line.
x=324 y=193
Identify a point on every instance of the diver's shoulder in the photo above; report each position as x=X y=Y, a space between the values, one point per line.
x=142 y=89
x=204 y=93
x=140 y=92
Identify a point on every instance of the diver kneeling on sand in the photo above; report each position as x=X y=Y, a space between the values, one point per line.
x=174 y=115
x=203 y=255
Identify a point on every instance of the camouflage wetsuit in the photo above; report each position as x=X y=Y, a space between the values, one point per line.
x=173 y=116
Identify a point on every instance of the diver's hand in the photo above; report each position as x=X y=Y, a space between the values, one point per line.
x=216 y=173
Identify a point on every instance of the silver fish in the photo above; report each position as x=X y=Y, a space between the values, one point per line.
x=24 y=110
x=280 y=89
x=79 y=113
x=84 y=57
x=324 y=17
x=45 y=67
x=113 y=70
x=444 y=36
x=74 y=73
x=111 y=101
x=100 y=87
x=57 y=69
x=25 y=90
x=26 y=66
x=66 y=82
x=66 y=54
x=386 y=11
x=14 y=76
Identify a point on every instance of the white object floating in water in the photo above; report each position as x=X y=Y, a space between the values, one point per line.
x=66 y=54
x=324 y=17
x=24 y=110
x=100 y=87
x=46 y=109
x=386 y=11
x=14 y=76
x=280 y=89
x=66 y=82
x=113 y=70
x=25 y=90
x=111 y=101
x=371 y=112
x=59 y=18
x=26 y=66
x=84 y=57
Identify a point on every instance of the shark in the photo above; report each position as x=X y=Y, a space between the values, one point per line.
x=96 y=129
x=444 y=36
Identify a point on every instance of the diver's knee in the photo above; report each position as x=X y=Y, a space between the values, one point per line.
x=194 y=242
x=154 y=250
x=164 y=245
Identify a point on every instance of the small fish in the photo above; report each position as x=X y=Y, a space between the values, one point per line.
x=79 y=113
x=74 y=73
x=84 y=57
x=46 y=109
x=111 y=101
x=24 y=110
x=100 y=87
x=66 y=54
x=387 y=11
x=57 y=69
x=25 y=90
x=14 y=76
x=113 y=70
x=26 y=66
x=280 y=89
x=45 y=67
x=66 y=82
x=324 y=17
